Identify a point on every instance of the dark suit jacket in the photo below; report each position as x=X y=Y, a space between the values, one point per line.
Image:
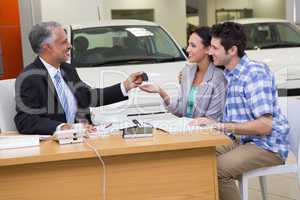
x=38 y=107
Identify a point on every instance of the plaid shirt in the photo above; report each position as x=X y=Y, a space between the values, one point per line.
x=251 y=93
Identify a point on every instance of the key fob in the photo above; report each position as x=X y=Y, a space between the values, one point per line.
x=145 y=77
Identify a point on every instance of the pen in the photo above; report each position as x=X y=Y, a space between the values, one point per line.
x=147 y=123
x=162 y=130
x=153 y=113
x=108 y=125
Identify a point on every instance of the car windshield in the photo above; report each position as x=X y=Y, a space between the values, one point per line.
x=102 y=46
x=272 y=35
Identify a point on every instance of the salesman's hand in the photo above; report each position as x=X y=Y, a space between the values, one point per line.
x=90 y=128
x=151 y=88
x=133 y=81
x=66 y=127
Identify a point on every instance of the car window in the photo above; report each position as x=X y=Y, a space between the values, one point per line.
x=259 y=35
x=163 y=42
x=103 y=46
x=288 y=33
x=271 y=35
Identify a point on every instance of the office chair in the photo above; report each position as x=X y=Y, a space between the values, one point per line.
x=292 y=109
x=7 y=105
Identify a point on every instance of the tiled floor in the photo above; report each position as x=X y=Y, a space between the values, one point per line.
x=280 y=187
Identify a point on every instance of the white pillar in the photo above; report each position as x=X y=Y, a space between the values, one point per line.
x=30 y=14
x=202 y=12
x=297 y=11
x=290 y=10
x=100 y=8
x=211 y=12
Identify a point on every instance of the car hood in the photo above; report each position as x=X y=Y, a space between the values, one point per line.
x=160 y=73
x=163 y=74
x=284 y=62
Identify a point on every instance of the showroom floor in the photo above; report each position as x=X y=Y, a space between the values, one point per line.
x=280 y=187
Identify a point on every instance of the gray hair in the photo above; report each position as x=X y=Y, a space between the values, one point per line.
x=42 y=33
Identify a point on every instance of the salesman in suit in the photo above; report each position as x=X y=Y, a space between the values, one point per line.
x=49 y=92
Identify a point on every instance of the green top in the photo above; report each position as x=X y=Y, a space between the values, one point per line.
x=191 y=101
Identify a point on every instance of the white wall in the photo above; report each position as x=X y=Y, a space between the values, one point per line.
x=70 y=11
x=170 y=14
x=269 y=8
x=236 y=4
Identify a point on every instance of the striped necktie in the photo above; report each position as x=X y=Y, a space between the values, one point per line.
x=63 y=97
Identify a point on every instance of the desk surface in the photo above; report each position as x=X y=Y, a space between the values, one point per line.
x=146 y=168
x=111 y=146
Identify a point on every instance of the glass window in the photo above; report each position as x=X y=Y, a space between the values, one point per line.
x=141 y=14
x=102 y=46
x=272 y=35
x=288 y=33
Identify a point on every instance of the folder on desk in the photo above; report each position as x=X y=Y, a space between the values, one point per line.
x=18 y=141
x=177 y=124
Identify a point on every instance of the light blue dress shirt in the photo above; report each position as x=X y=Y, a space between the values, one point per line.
x=72 y=103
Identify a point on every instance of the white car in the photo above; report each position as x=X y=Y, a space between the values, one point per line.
x=277 y=43
x=108 y=52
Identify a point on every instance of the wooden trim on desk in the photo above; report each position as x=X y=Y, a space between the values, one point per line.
x=111 y=146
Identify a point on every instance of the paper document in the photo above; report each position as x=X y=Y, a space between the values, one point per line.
x=18 y=141
x=176 y=125
x=112 y=127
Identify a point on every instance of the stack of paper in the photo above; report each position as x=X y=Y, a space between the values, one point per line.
x=176 y=125
x=18 y=141
x=113 y=127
